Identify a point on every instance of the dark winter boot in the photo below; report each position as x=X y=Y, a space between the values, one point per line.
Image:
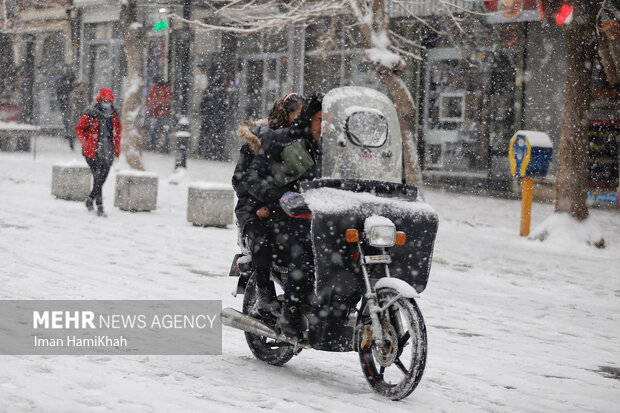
x=266 y=299
x=100 y=212
x=290 y=321
x=89 y=203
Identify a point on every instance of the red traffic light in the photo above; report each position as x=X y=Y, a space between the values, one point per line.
x=565 y=16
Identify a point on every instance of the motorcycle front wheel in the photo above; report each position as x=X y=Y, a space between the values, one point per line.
x=265 y=349
x=395 y=367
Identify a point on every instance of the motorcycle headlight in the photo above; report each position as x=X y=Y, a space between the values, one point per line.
x=380 y=231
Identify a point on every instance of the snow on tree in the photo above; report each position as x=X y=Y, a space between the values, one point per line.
x=133 y=38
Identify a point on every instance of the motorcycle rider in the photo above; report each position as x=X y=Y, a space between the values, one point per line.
x=288 y=156
x=252 y=215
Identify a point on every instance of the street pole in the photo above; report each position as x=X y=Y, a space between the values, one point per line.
x=183 y=134
x=527 y=186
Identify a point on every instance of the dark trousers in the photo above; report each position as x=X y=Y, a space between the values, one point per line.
x=289 y=239
x=300 y=282
x=100 y=168
x=260 y=241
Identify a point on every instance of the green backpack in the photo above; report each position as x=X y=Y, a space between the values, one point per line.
x=295 y=162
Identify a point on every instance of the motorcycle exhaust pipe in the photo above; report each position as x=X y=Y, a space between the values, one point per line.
x=238 y=320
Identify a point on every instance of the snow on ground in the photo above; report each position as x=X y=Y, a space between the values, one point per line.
x=513 y=325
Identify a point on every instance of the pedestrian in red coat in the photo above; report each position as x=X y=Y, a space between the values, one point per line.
x=99 y=132
x=158 y=103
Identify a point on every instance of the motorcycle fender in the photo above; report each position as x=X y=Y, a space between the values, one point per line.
x=234 y=269
x=243 y=281
x=399 y=285
x=239 y=259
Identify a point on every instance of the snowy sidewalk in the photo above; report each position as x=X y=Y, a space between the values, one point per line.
x=513 y=325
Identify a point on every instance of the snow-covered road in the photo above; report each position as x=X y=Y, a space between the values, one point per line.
x=513 y=325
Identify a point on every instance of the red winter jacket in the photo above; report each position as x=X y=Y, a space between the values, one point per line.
x=159 y=101
x=87 y=129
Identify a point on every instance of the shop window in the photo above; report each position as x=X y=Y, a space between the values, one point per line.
x=254 y=89
x=49 y=70
x=322 y=72
x=250 y=44
x=452 y=107
x=432 y=155
x=276 y=43
x=358 y=72
x=353 y=37
x=101 y=31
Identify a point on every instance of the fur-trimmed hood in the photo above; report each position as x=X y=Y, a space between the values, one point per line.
x=249 y=136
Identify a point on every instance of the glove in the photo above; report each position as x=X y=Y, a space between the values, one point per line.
x=295 y=206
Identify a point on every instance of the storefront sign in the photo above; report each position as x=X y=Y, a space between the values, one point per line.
x=510 y=11
x=603 y=156
x=603 y=198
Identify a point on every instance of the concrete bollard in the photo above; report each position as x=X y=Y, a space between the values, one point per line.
x=136 y=191
x=71 y=181
x=210 y=204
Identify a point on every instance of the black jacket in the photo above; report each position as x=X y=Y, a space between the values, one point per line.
x=247 y=205
x=261 y=176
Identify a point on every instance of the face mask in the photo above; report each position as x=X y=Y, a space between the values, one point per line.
x=106 y=105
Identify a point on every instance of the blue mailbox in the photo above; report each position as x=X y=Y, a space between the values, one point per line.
x=530 y=153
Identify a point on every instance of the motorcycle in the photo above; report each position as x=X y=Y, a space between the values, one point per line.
x=373 y=241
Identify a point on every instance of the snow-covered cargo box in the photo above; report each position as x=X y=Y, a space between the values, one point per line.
x=210 y=204
x=71 y=181
x=340 y=205
x=136 y=191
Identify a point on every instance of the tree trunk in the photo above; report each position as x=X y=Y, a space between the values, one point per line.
x=391 y=78
x=571 y=179
x=404 y=107
x=133 y=37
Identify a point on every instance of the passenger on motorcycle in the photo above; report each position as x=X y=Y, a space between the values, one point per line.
x=252 y=214
x=286 y=157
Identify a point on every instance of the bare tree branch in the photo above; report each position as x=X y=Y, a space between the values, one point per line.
x=415 y=17
x=253 y=18
x=405 y=40
x=406 y=53
x=454 y=19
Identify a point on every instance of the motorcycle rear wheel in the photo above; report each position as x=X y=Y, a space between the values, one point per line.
x=265 y=349
x=395 y=370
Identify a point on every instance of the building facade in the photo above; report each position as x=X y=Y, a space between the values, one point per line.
x=473 y=91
